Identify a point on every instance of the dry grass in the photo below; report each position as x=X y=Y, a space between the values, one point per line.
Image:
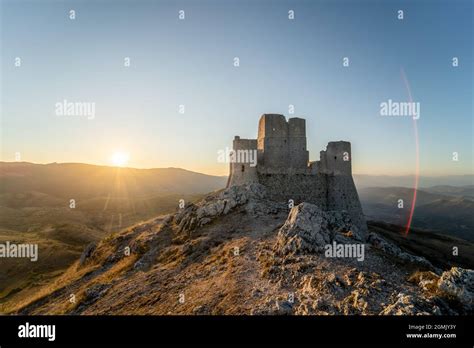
x=428 y=281
x=70 y=275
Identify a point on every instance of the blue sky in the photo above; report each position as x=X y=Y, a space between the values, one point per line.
x=282 y=62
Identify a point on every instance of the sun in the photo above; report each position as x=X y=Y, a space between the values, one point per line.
x=120 y=159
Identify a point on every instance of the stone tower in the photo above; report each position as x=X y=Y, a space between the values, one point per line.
x=282 y=144
x=242 y=168
x=283 y=167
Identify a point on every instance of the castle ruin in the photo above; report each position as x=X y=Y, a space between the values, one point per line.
x=283 y=167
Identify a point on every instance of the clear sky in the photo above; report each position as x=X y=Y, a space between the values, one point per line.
x=191 y=62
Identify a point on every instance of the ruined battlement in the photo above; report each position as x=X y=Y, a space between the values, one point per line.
x=279 y=160
x=282 y=144
x=281 y=149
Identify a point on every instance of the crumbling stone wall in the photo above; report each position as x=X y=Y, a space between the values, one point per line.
x=298 y=155
x=336 y=159
x=282 y=144
x=283 y=167
x=242 y=170
x=299 y=188
x=342 y=195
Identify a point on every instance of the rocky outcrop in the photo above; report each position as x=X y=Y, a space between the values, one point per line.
x=91 y=295
x=221 y=203
x=458 y=283
x=380 y=243
x=410 y=305
x=308 y=229
x=455 y=286
x=87 y=253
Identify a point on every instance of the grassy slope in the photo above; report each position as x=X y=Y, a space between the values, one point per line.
x=435 y=247
x=34 y=208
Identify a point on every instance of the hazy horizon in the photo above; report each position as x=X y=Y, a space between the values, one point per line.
x=225 y=175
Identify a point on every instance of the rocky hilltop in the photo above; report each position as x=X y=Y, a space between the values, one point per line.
x=238 y=252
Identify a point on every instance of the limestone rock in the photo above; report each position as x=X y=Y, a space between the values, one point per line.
x=87 y=253
x=221 y=203
x=92 y=295
x=95 y=292
x=410 y=305
x=391 y=249
x=146 y=261
x=308 y=229
x=305 y=230
x=427 y=281
x=459 y=283
x=283 y=308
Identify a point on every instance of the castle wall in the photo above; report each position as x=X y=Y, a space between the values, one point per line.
x=329 y=192
x=284 y=168
x=298 y=187
x=342 y=195
x=298 y=155
x=242 y=170
x=273 y=141
x=282 y=144
x=336 y=159
x=314 y=167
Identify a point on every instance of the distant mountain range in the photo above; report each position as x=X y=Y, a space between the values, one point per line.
x=461 y=191
x=363 y=180
x=450 y=212
x=79 y=180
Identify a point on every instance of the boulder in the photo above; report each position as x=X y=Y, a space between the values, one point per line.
x=283 y=308
x=87 y=253
x=308 y=229
x=459 y=284
x=219 y=203
x=305 y=231
x=410 y=305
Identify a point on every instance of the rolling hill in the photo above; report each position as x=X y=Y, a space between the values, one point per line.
x=447 y=214
x=35 y=207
